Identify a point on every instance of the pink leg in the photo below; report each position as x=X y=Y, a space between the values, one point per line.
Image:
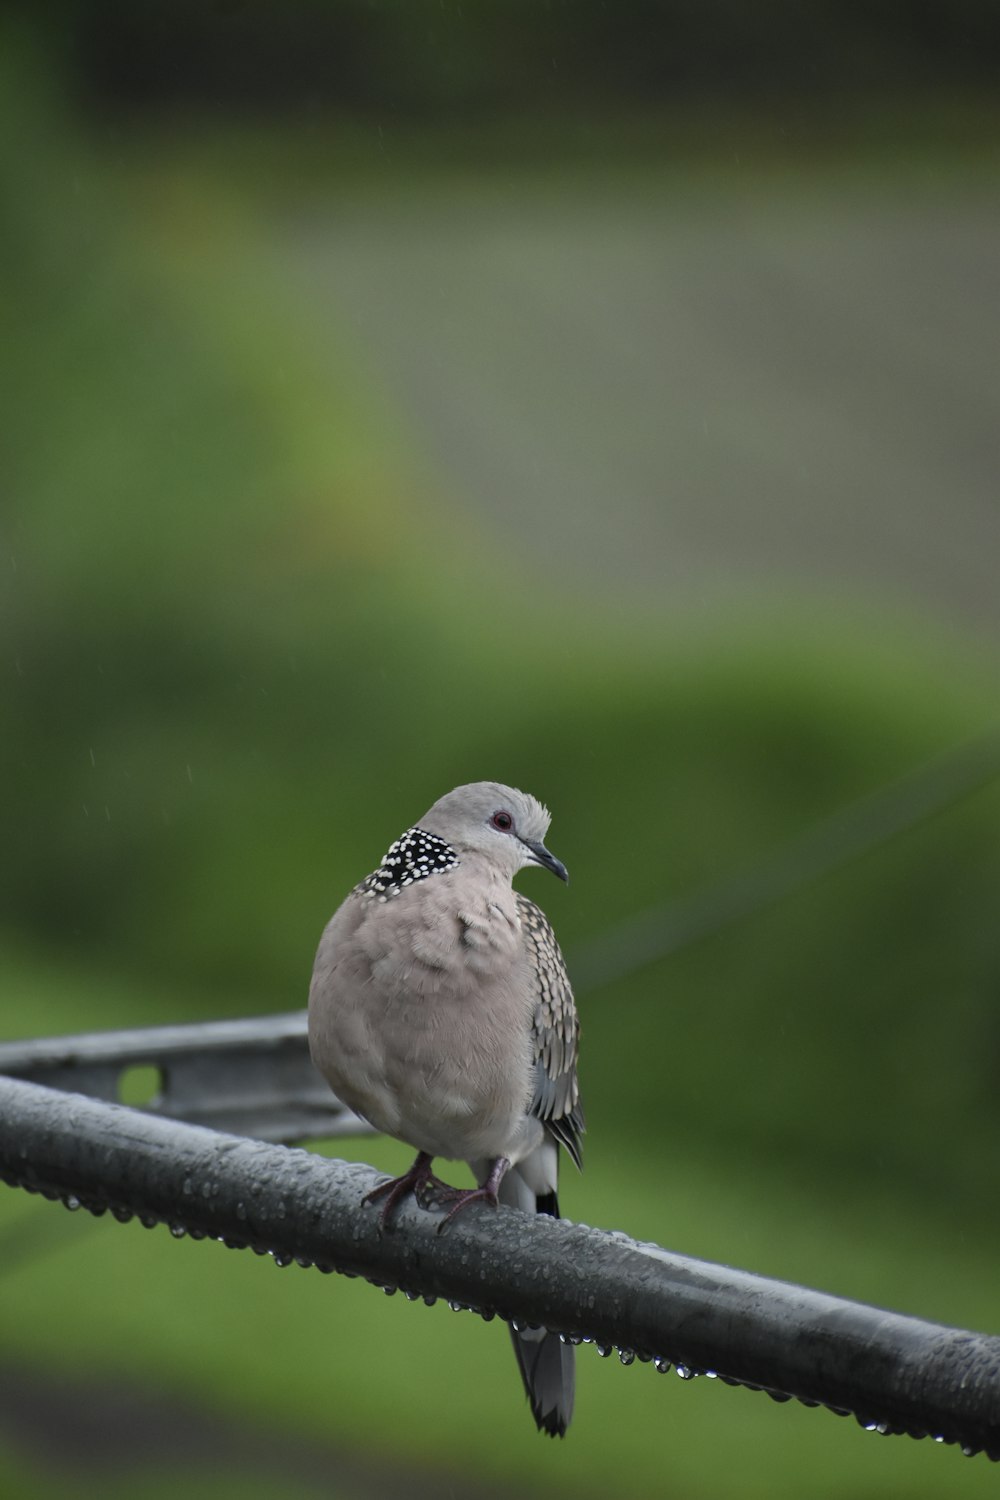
x=487 y=1193
x=398 y=1188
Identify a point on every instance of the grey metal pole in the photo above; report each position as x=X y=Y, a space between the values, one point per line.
x=896 y=1373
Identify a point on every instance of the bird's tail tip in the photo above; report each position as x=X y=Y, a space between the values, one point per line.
x=548 y=1369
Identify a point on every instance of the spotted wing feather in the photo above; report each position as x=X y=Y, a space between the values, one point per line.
x=555 y=1034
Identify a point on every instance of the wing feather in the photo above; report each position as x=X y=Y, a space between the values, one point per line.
x=555 y=1034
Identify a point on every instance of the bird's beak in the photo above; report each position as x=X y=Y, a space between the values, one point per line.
x=541 y=856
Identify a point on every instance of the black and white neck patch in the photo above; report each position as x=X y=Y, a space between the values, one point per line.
x=415 y=855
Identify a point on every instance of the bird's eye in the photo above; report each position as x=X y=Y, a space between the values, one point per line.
x=503 y=821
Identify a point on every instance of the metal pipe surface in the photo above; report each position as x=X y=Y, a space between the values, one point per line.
x=896 y=1373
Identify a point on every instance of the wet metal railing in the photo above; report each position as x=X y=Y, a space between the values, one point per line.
x=895 y=1374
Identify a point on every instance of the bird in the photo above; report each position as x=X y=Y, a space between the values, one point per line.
x=441 y=1011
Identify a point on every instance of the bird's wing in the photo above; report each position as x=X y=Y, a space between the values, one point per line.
x=555 y=1033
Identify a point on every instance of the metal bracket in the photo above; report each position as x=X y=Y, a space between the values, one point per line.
x=249 y=1077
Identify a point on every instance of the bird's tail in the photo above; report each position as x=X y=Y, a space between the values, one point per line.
x=547 y=1365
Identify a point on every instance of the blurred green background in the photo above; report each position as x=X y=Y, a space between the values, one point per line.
x=600 y=399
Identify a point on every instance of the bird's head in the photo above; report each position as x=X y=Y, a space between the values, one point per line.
x=504 y=825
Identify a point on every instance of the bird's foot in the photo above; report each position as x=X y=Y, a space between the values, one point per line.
x=460 y=1198
x=397 y=1188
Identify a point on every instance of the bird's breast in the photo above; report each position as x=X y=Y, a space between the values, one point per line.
x=424 y=1024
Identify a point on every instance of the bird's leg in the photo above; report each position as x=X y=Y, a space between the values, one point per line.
x=397 y=1188
x=486 y=1193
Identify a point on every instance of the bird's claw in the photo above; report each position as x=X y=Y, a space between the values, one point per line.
x=461 y=1197
x=395 y=1189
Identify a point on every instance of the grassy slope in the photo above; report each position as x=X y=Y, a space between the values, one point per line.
x=222 y=592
